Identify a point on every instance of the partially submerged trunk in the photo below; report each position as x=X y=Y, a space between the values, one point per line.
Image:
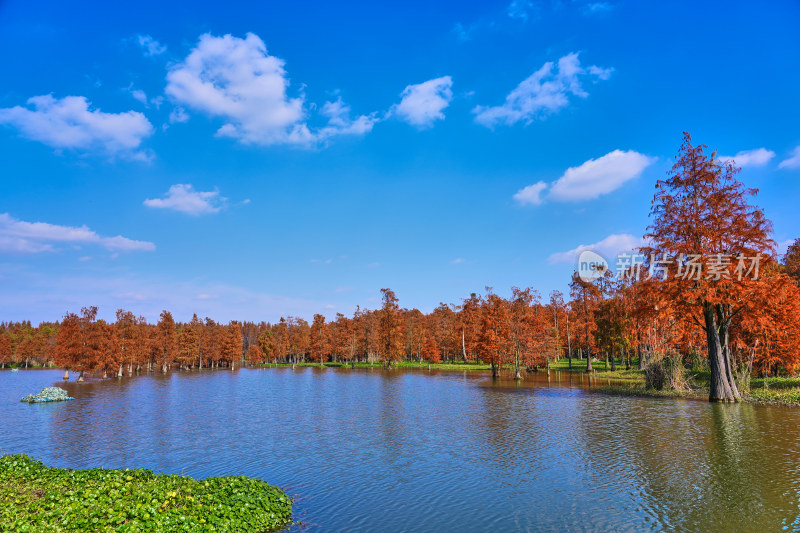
x=66 y=375
x=722 y=387
x=80 y=377
x=517 y=369
x=640 y=353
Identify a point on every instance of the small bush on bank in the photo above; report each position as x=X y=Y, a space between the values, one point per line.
x=665 y=373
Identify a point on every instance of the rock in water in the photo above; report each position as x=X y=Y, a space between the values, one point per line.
x=48 y=394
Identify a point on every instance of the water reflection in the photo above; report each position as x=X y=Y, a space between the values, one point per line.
x=367 y=450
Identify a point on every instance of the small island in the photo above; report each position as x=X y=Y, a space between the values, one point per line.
x=48 y=394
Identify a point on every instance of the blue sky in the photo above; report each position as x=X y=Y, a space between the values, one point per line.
x=251 y=162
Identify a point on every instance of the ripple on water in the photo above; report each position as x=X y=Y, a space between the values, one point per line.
x=370 y=450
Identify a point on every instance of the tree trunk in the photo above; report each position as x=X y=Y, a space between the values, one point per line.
x=613 y=364
x=722 y=387
x=569 y=343
x=494 y=369
x=80 y=377
x=639 y=351
x=66 y=375
x=588 y=360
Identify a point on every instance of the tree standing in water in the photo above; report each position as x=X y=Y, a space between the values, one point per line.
x=165 y=337
x=390 y=327
x=701 y=217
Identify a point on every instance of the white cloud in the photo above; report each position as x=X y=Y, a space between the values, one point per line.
x=340 y=123
x=600 y=73
x=18 y=236
x=532 y=194
x=183 y=198
x=422 y=104
x=150 y=46
x=139 y=95
x=608 y=248
x=41 y=295
x=750 y=158
x=178 y=115
x=546 y=91
x=519 y=10
x=344 y=289
x=237 y=80
x=462 y=32
x=599 y=176
x=69 y=123
x=793 y=161
x=597 y=7
x=457 y=261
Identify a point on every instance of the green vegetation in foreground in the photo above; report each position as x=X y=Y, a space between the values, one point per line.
x=37 y=498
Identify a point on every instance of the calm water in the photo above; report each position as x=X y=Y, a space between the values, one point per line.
x=365 y=450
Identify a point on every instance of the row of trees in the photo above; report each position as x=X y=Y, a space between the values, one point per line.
x=701 y=214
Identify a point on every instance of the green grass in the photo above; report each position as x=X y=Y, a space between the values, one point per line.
x=405 y=364
x=37 y=498
x=638 y=389
x=600 y=369
x=781 y=391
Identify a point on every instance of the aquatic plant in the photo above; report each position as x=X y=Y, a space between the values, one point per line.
x=35 y=497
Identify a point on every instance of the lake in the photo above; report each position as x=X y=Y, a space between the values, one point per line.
x=402 y=450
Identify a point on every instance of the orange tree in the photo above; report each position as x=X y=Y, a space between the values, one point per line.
x=702 y=218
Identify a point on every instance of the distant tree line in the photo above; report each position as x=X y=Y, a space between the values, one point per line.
x=730 y=324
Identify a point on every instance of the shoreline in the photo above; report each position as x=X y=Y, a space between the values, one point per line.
x=783 y=391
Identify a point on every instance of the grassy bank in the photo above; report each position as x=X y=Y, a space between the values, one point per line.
x=772 y=391
x=778 y=391
x=638 y=389
x=439 y=366
x=599 y=369
x=37 y=498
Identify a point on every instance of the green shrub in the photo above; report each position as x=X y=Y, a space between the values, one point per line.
x=665 y=373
